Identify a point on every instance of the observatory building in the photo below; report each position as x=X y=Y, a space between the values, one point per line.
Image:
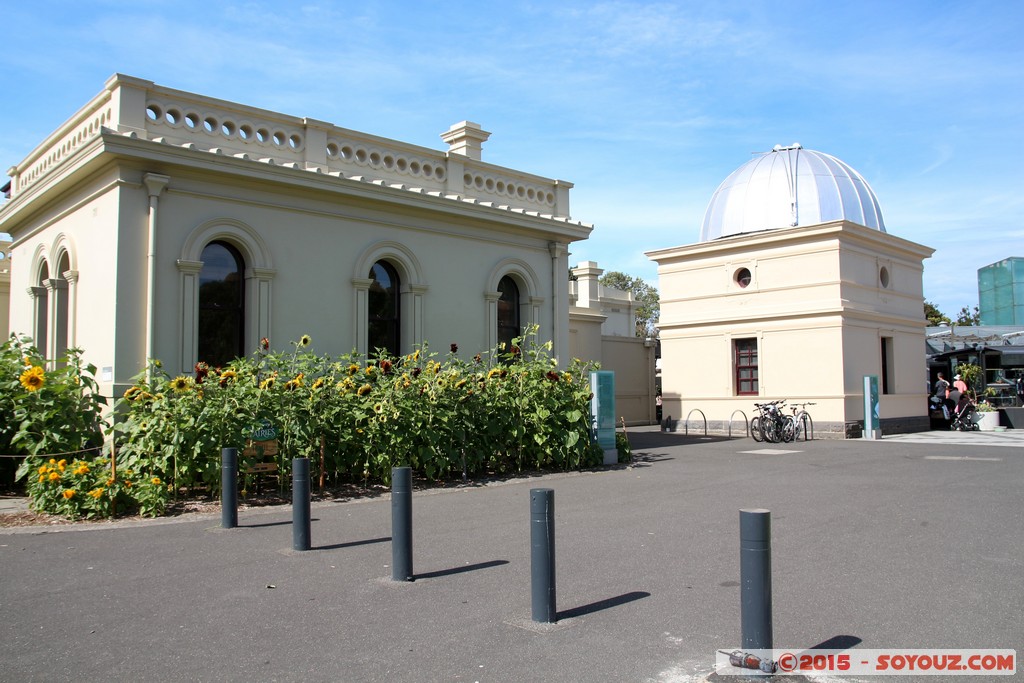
x=795 y=291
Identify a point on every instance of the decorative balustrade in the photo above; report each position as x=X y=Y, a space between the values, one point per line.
x=139 y=108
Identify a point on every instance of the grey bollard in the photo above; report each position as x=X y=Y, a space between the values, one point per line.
x=401 y=524
x=229 y=488
x=542 y=555
x=300 y=504
x=756 y=579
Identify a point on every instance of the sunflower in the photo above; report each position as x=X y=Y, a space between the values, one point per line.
x=96 y=493
x=68 y=494
x=268 y=383
x=305 y=341
x=365 y=389
x=227 y=376
x=319 y=383
x=181 y=383
x=33 y=378
x=156 y=481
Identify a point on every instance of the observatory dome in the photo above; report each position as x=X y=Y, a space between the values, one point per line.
x=788 y=187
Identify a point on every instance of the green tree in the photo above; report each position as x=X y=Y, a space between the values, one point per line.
x=966 y=317
x=644 y=294
x=935 y=317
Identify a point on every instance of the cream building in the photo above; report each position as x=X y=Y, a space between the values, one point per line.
x=602 y=326
x=795 y=291
x=157 y=223
x=5 y=287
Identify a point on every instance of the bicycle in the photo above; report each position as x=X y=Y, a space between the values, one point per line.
x=769 y=424
x=801 y=420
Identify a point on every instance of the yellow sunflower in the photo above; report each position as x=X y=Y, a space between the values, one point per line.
x=33 y=378
x=181 y=383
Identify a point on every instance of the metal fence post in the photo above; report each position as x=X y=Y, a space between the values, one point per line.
x=401 y=524
x=542 y=555
x=756 y=579
x=229 y=488
x=300 y=504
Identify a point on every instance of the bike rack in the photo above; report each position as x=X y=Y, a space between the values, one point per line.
x=809 y=431
x=686 y=425
x=746 y=422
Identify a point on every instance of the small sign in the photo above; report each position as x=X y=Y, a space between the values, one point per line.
x=260 y=449
x=261 y=431
x=260 y=440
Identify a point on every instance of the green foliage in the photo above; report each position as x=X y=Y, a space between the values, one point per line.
x=55 y=419
x=934 y=316
x=91 y=488
x=47 y=411
x=971 y=374
x=645 y=295
x=968 y=317
x=624 y=449
x=357 y=418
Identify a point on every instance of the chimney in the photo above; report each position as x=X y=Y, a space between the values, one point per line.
x=466 y=138
x=588 y=289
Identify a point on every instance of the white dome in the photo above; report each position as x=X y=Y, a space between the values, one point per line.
x=787 y=187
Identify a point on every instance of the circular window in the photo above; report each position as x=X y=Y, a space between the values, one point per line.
x=883 y=277
x=742 y=277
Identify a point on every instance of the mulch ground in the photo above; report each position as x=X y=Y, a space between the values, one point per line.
x=190 y=505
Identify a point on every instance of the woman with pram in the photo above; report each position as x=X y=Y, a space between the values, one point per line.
x=962 y=411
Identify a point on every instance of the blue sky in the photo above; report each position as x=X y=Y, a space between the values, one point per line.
x=645 y=106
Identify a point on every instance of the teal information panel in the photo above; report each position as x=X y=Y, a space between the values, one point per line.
x=871 y=420
x=602 y=407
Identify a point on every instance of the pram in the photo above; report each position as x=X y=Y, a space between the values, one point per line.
x=962 y=417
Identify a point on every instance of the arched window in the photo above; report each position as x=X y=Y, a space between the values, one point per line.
x=221 y=304
x=41 y=313
x=383 y=328
x=508 y=312
x=59 y=315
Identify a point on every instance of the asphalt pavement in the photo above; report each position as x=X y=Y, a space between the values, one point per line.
x=906 y=542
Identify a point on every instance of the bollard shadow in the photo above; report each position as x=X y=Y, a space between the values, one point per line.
x=460 y=570
x=352 y=544
x=265 y=524
x=647 y=459
x=837 y=643
x=607 y=603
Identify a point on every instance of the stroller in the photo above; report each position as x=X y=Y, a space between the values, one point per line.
x=961 y=415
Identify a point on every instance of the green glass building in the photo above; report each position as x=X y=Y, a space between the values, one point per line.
x=1001 y=292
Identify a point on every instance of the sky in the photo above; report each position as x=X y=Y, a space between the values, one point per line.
x=645 y=106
